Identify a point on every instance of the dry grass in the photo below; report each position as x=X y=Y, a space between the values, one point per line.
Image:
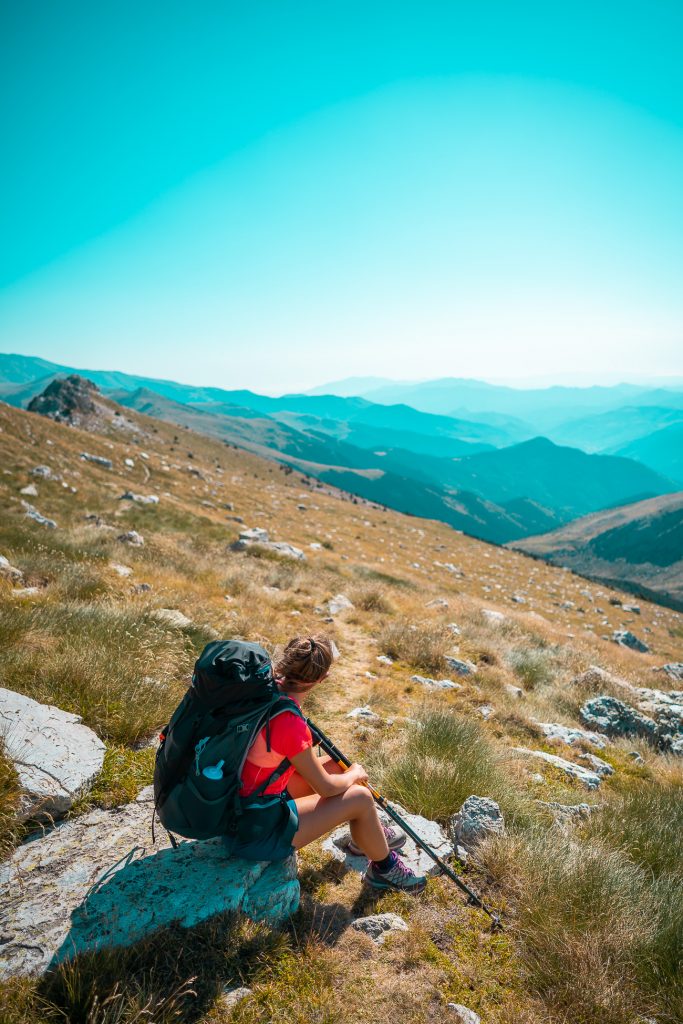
x=422 y=644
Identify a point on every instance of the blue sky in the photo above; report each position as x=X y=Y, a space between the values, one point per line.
x=277 y=194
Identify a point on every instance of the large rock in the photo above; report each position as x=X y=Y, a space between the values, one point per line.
x=256 y=535
x=378 y=926
x=570 y=735
x=94 y=882
x=435 y=684
x=625 y=638
x=411 y=854
x=9 y=571
x=612 y=716
x=575 y=771
x=55 y=756
x=339 y=603
x=478 y=818
x=674 y=669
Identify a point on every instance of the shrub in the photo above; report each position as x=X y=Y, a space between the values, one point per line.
x=445 y=758
x=423 y=645
x=532 y=665
x=372 y=599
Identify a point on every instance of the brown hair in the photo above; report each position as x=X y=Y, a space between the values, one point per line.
x=304 y=661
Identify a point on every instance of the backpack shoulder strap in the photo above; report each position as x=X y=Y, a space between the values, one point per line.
x=279 y=705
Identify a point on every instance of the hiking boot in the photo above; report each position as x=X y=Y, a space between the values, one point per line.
x=396 y=840
x=399 y=877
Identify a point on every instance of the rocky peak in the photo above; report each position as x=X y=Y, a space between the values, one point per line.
x=67 y=400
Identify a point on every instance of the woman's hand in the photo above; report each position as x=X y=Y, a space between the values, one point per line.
x=359 y=773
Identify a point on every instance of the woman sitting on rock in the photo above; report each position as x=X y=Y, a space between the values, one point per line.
x=320 y=795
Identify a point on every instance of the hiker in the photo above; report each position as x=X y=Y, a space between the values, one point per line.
x=319 y=794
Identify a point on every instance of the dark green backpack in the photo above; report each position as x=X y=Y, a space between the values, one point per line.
x=203 y=748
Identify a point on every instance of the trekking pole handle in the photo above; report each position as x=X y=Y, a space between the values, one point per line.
x=343 y=761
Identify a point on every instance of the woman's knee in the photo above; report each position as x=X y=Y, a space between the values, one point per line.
x=360 y=796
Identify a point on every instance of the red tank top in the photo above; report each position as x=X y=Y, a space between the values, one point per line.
x=289 y=735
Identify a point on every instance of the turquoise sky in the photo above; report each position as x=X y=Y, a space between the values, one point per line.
x=275 y=194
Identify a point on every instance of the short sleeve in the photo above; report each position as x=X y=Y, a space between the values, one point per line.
x=289 y=734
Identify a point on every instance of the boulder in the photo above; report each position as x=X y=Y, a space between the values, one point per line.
x=674 y=669
x=132 y=537
x=415 y=857
x=44 y=473
x=569 y=735
x=435 y=684
x=378 y=926
x=95 y=882
x=625 y=638
x=140 y=499
x=460 y=667
x=616 y=718
x=478 y=818
x=8 y=571
x=55 y=756
x=172 y=617
x=600 y=767
x=98 y=460
x=463 y=1014
x=33 y=513
x=575 y=771
x=31 y=491
x=339 y=603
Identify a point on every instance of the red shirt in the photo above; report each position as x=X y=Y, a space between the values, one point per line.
x=289 y=735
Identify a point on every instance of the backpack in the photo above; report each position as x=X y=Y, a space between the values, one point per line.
x=204 y=746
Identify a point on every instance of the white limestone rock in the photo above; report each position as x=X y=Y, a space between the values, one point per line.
x=436 y=684
x=478 y=818
x=378 y=926
x=55 y=756
x=364 y=713
x=571 y=736
x=9 y=571
x=172 y=617
x=339 y=603
x=463 y=1014
x=591 y=780
x=96 y=882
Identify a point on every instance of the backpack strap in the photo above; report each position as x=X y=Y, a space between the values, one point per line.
x=273 y=710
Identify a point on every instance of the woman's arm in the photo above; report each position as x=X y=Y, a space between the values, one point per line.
x=309 y=768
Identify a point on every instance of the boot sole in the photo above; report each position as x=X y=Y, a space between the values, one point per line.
x=356 y=852
x=414 y=890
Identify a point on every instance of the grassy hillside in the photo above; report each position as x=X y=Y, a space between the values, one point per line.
x=595 y=920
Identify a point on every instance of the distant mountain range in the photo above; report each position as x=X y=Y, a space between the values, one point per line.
x=637 y=547
x=489 y=476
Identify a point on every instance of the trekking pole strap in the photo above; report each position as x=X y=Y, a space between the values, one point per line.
x=344 y=762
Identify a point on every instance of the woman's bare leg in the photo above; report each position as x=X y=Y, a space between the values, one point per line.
x=318 y=815
x=297 y=785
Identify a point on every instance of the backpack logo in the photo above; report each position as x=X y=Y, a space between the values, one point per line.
x=243 y=728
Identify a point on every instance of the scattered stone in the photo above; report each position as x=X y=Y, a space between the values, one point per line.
x=575 y=771
x=463 y=1014
x=31 y=491
x=121 y=570
x=435 y=684
x=616 y=718
x=634 y=608
x=141 y=588
x=365 y=713
x=256 y=535
x=140 y=499
x=567 y=605
x=478 y=818
x=674 y=669
x=569 y=735
x=33 y=513
x=514 y=691
x=378 y=926
x=432 y=833
x=232 y=996
x=98 y=460
x=44 y=472
x=438 y=602
x=172 y=617
x=518 y=599
x=494 y=617
x=55 y=756
x=460 y=667
x=339 y=603
x=625 y=638
x=315 y=546
x=132 y=537
x=600 y=767
x=486 y=711
x=385 y=659
x=93 y=883
x=9 y=572
x=130 y=463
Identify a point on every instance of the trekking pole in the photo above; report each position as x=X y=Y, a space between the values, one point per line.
x=343 y=762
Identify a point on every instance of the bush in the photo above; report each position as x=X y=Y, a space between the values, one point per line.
x=423 y=645
x=372 y=599
x=445 y=758
x=532 y=665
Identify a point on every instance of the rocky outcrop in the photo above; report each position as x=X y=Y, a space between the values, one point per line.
x=570 y=735
x=435 y=684
x=258 y=536
x=625 y=638
x=420 y=862
x=55 y=756
x=617 y=718
x=591 y=780
x=96 y=882
x=69 y=400
x=478 y=818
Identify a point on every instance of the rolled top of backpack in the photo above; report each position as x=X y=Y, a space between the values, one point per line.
x=231 y=672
